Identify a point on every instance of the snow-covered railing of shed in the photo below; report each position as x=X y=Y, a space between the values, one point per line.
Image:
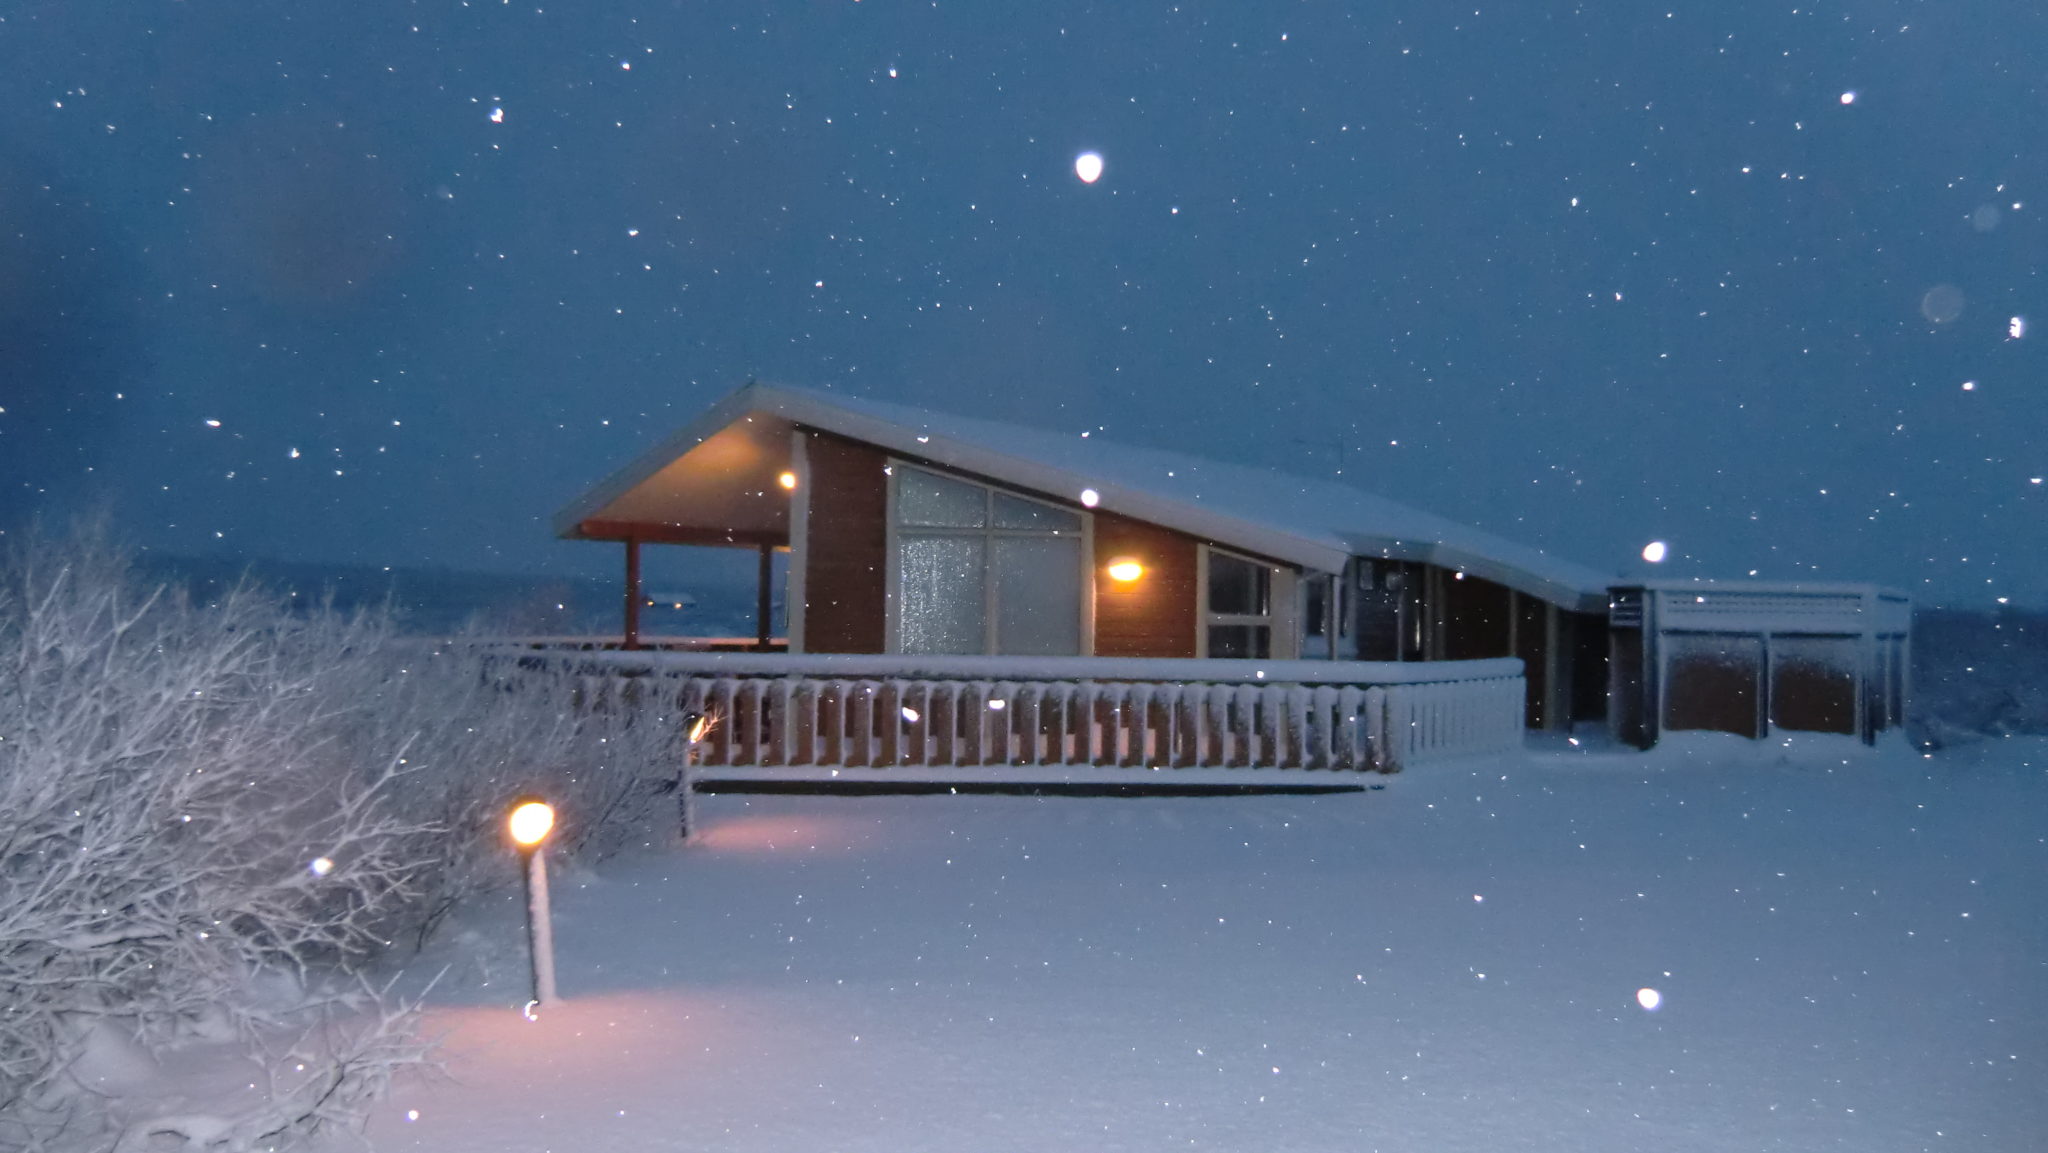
x=779 y=713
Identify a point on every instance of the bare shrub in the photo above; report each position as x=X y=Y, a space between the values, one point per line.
x=326 y=1062
x=480 y=728
x=195 y=794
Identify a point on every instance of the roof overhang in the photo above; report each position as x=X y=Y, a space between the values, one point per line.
x=715 y=482
x=1537 y=574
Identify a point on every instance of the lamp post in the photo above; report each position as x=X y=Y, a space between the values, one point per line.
x=531 y=821
x=686 y=778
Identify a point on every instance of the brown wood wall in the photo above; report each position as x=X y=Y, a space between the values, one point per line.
x=846 y=566
x=1475 y=615
x=1156 y=615
x=1814 y=696
x=1715 y=683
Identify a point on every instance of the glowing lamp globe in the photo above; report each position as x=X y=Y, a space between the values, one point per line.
x=787 y=480
x=1088 y=166
x=1125 y=569
x=531 y=822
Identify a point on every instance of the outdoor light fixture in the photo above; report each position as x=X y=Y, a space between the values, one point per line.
x=787 y=480
x=1125 y=569
x=686 y=774
x=530 y=822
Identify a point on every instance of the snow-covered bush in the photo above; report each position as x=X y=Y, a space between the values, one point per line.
x=1978 y=676
x=195 y=795
x=479 y=728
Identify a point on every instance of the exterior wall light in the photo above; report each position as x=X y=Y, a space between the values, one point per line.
x=530 y=822
x=1125 y=569
x=787 y=480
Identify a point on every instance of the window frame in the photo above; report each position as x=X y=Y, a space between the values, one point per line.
x=988 y=532
x=1281 y=618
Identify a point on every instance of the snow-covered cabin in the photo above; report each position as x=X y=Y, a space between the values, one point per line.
x=914 y=532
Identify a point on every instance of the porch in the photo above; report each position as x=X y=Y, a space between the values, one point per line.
x=903 y=719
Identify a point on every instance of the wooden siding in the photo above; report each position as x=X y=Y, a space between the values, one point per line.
x=1715 y=681
x=846 y=566
x=1156 y=615
x=1815 y=696
x=1476 y=615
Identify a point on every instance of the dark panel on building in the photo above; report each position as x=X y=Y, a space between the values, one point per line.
x=847 y=538
x=1532 y=644
x=1155 y=615
x=1813 y=684
x=1713 y=683
x=1629 y=690
x=1585 y=637
x=1475 y=616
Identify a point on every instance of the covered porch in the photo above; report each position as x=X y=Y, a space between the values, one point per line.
x=730 y=488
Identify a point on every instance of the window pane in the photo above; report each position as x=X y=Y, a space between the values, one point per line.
x=1038 y=595
x=1017 y=512
x=929 y=499
x=1237 y=586
x=940 y=598
x=1254 y=642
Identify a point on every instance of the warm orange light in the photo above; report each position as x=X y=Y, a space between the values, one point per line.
x=1125 y=569
x=531 y=822
x=787 y=480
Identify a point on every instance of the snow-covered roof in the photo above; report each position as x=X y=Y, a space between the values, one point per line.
x=1828 y=607
x=716 y=478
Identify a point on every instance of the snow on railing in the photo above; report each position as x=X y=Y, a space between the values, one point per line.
x=834 y=711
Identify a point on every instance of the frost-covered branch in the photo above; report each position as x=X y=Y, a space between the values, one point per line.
x=199 y=793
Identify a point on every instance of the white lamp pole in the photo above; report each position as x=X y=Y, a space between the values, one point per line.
x=686 y=779
x=531 y=821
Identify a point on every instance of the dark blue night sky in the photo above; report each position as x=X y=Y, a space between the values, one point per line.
x=1587 y=275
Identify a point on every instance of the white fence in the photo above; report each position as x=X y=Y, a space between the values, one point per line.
x=885 y=712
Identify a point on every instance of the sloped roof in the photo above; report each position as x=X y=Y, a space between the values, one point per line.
x=715 y=479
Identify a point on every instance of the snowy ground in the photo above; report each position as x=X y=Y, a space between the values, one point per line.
x=1850 y=957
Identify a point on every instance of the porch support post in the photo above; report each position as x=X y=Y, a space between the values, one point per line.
x=764 y=629
x=631 y=639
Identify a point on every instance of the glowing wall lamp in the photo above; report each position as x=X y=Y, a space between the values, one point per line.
x=787 y=480
x=531 y=821
x=1125 y=569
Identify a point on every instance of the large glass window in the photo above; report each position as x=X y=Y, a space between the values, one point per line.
x=984 y=571
x=1240 y=607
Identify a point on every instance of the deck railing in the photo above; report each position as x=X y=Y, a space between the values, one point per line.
x=776 y=711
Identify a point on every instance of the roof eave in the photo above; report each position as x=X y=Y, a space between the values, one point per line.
x=1024 y=472
x=1586 y=592
x=568 y=523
